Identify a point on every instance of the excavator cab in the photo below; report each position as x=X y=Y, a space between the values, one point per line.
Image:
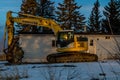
x=64 y=38
x=71 y=48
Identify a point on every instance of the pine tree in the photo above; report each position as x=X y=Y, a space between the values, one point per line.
x=112 y=13
x=28 y=7
x=45 y=8
x=68 y=15
x=94 y=19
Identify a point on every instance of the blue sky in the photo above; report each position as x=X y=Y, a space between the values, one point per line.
x=14 y=5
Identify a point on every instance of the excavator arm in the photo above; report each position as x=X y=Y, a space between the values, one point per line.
x=14 y=53
x=29 y=20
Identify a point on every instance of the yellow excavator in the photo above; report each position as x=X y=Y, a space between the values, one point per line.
x=70 y=48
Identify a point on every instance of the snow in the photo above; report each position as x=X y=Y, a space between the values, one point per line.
x=105 y=70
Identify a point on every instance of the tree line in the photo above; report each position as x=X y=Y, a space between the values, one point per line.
x=68 y=15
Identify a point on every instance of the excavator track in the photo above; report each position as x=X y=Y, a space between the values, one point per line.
x=71 y=57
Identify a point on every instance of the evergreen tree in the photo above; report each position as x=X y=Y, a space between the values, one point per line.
x=28 y=7
x=111 y=23
x=45 y=8
x=94 y=19
x=68 y=15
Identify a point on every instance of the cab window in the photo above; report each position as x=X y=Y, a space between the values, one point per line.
x=66 y=36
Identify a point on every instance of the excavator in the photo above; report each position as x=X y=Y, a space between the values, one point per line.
x=70 y=47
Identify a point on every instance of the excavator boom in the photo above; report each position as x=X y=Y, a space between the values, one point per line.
x=28 y=20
